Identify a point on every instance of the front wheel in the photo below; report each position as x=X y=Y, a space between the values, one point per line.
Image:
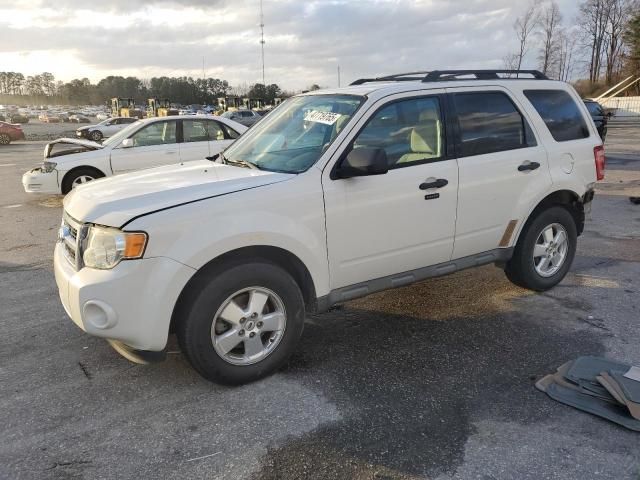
x=241 y=323
x=5 y=139
x=545 y=250
x=96 y=135
x=79 y=176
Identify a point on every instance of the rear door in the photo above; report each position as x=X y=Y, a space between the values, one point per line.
x=220 y=136
x=195 y=140
x=503 y=167
x=153 y=145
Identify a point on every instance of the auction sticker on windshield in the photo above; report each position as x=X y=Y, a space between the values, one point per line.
x=328 y=118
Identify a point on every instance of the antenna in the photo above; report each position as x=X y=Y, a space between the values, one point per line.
x=262 y=39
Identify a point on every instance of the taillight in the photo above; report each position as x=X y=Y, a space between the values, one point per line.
x=598 y=156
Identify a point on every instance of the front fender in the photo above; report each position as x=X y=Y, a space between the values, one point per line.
x=287 y=215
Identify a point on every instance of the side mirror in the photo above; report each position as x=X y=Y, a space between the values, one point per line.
x=127 y=143
x=361 y=162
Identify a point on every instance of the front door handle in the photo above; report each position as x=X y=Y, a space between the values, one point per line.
x=439 y=183
x=528 y=166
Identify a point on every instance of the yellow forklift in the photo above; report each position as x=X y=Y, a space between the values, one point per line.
x=125 y=107
x=160 y=107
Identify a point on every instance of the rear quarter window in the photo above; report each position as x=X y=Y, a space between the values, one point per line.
x=560 y=113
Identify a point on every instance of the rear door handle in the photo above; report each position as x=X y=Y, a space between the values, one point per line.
x=439 y=183
x=528 y=166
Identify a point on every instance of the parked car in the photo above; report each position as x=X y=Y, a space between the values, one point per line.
x=599 y=116
x=83 y=119
x=10 y=132
x=334 y=195
x=103 y=116
x=105 y=128
x=69 y=162
x=50 y=118
x=245 y=117
x=17 y=118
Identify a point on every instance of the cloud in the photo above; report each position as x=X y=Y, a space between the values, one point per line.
x=305 y=41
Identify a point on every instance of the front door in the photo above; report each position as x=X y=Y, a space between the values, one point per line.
x=153 y=146
x=403 y=220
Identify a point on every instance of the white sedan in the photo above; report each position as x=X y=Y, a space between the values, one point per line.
x=105 y=129
x=144 y=144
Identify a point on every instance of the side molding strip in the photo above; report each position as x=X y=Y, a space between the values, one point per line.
x=358 y=290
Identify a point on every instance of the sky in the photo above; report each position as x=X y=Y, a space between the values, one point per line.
x=305 y=41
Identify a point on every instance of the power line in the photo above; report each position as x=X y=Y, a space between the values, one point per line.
x=262 y=39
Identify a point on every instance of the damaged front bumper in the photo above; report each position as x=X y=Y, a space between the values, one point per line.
x=37 y=181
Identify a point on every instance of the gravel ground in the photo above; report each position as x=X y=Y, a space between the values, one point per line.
x=37 y=130
x=435 y=380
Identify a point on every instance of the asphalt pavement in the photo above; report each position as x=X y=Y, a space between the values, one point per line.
x=435 y=380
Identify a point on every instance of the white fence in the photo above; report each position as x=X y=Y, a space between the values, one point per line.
x=622 y=106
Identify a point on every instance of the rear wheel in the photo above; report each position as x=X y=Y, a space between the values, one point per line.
x=78 y=177
x=5 y=139
x=545 y=250
x=241 y=323
x=96 y=135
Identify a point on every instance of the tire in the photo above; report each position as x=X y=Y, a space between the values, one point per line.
x=95 y=135
x=530 y=272
x=5 y=139
x=77 y=176
x=201 y=328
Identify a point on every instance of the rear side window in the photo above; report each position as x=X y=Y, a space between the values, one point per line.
x=489 y=122
x=560 y=113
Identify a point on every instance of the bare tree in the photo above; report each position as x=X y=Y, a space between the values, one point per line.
x=524 y=26
x=550 y=24
x=594 y=17
x=619 y=15
x=566 y=55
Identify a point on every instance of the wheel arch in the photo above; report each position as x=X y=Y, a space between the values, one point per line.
x=276 y=255
x=564 y=198
x=75 y=169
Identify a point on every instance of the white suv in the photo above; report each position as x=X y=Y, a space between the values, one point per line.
x=334 y=195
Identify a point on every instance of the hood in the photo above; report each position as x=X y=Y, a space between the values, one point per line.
x=86 y=127
x=87 y=145
x=114 y=201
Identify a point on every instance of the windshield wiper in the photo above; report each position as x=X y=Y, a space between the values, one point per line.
x=226 y=161
x=241 y=163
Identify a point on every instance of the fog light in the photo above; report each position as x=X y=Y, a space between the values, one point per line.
x=98 y=315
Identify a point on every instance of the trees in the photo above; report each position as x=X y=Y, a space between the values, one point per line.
x=550 y=21
x=603 y=24
x=524 y=27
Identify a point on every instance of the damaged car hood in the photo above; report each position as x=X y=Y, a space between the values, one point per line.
x=87 y=146
x=114 y=201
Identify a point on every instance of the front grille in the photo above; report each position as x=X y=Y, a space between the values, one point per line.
x=70 y=236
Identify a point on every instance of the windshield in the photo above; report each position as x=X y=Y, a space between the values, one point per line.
x=294 y=135
x=122 y=134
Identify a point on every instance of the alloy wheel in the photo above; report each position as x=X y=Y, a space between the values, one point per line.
x=550 y=250
x=248 y=326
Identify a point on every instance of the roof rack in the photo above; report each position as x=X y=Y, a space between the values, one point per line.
x=444 y=75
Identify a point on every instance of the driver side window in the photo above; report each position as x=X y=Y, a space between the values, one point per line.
x=409 y=131
x=157 y=133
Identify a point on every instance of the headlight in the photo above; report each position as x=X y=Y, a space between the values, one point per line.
x=106 y=247
x=47 y=167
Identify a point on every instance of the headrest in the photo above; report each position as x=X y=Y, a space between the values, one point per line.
x=424 y=139
x=429 y=114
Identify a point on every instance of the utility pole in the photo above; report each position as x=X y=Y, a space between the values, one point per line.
x=203 y=67
x=262 y=39
x=338 y=76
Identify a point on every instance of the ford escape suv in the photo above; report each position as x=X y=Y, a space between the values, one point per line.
x=334 y=195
